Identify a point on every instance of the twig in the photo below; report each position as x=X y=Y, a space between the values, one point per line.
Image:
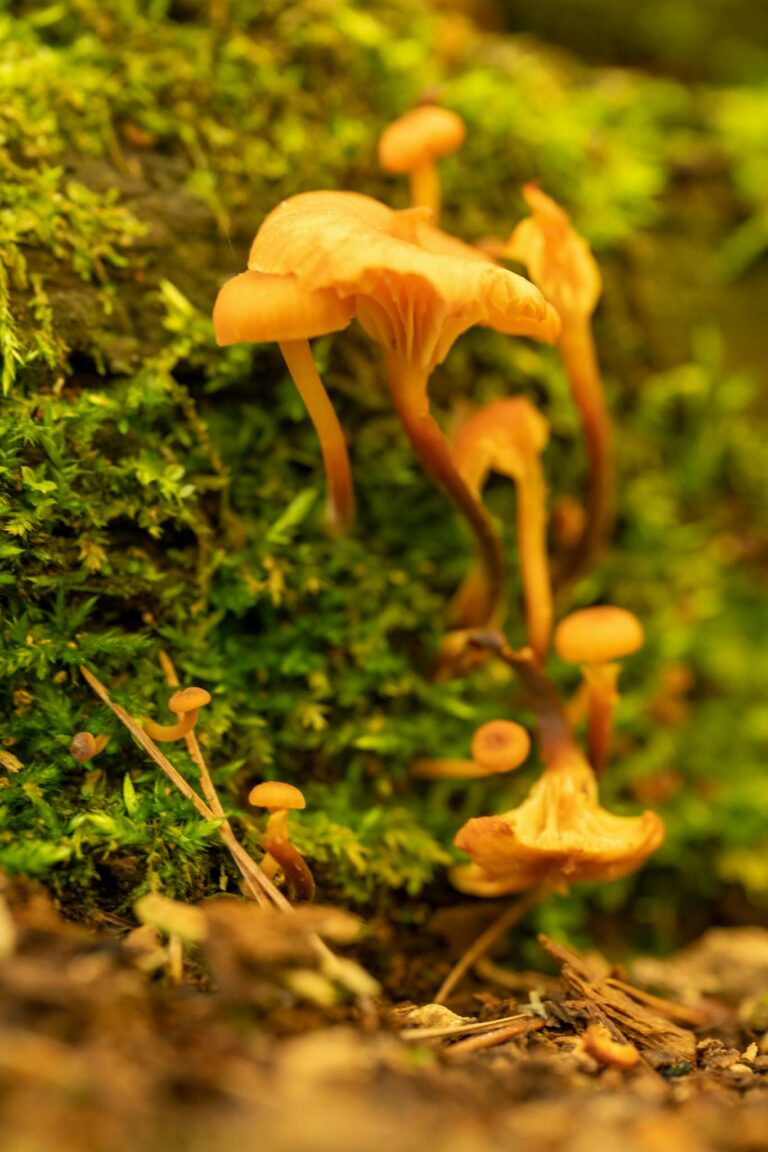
x=246 y=866
x=473 y=1044
x=457 y=1030
x=508 y=918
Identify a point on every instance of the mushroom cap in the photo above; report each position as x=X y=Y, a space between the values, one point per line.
x=558 y=259
x=83 y=747
x=413 y=289
x=255 y=307
x=423 y=133
x=558 y=836
x=276 y=794
x=500 y=745
x=501 y=437
x=189 y=700
x=598 y=635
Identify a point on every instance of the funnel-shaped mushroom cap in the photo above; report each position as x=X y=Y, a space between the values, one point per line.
x=558 y=260
x=412 y=292
x=598 y=635
x=501 y=437
x=276 y=794
x=500 y=745
x=558 y=836
x=424 y=133
x=255 y=308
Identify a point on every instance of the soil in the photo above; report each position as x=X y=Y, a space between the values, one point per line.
x=123 y=1038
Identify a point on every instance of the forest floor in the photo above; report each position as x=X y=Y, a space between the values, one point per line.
x=112 y=1040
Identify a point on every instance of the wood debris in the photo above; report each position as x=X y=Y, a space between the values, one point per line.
x=594 y=997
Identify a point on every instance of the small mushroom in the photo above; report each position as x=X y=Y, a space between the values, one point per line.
x=558 y=836
x=498 y=746
x=279 y=798
x=596 y=638
x=560 y=263
x=508 y=437
x=186 y=704
x=414 y=142
x=85 y=746
x=256 y=307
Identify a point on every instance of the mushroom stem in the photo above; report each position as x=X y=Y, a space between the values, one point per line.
x=478 y=602
x=577 y=349
x=602 y=695
x=556 y=740
x=164 y=733
x=510 y=916
x=425 y=187
x=300 y=881
x=341 y=498
x=534 y=561
x=447 y=769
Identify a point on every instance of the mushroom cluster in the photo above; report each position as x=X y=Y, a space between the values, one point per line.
x=323 y=259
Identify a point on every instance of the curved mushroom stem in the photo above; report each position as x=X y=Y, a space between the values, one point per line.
x=478 y=602
x=446 y=769
x=300 y=881
x=602 y=695
x=556 y=740
x=577 y=350
x=341 y=498
x=164 y=733
x=425 y=188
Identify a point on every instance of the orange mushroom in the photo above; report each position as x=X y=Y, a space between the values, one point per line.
x=498 y=746
x=186 y=704
x=254 y=307
x=279 y=798
x=508 y=436
x=558 y=836
x=412 y=143
x=596 y=638
x=85 y=746
x=560 y=262
x=414 y=290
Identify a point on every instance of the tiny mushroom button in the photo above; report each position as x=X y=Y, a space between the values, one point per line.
x=413 y=143
x=186 y=704
x=596 y=638
x=278 y=798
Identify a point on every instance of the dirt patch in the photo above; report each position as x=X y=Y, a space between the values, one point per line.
x=106 y=1042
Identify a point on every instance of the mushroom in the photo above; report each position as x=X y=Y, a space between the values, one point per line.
x=596 y=638
x=413 y=143
x=508 y=436
x=279 y=798
x=186 y=704
x=560 y=262
x=257 y=307
x=85 y=746
x=414 y=290
x=558 y=836
x=498 y=746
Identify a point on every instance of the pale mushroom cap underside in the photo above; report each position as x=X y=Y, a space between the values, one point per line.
x=559 y=836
